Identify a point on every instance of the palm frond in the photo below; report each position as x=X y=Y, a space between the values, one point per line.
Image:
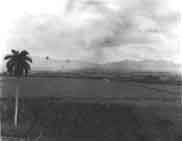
x=26 y=70
x=24 y=53
x=26 y=66
x=27 y=58
x=8 y=57
x=10 y=65
x=14 y=51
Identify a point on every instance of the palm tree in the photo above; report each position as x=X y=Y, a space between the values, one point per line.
x=18 y=65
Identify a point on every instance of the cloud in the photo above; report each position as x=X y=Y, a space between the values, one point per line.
x=140 y=23
x=99 y=29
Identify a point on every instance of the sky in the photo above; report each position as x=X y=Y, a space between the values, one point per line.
x=93 y=30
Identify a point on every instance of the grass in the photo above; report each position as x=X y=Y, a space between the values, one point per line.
x=63 y=87
x=90 y=109
x=96 y=121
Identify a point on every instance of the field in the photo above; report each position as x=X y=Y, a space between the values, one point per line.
x=86 y=88
x=90 y=109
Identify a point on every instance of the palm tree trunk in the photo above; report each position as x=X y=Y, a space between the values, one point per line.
x=16 y=106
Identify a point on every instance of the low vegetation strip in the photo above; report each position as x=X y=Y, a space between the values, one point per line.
x=12 y=139
x=106 y=100
x=158 y=89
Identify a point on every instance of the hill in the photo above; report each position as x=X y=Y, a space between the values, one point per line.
x=52 y=65
x=142 y=66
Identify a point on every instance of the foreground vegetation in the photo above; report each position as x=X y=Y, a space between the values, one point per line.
x=57 y=119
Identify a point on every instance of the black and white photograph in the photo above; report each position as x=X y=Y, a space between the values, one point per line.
x=90 y=70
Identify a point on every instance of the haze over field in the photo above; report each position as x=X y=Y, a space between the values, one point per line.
x=41 y=64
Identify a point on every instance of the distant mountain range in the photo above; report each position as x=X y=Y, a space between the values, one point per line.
x=144 y=65
x=43 y=64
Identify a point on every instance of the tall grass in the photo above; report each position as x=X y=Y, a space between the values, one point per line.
x=97 y=121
